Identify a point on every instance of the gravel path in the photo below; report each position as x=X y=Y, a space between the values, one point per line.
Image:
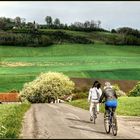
x=63 y=121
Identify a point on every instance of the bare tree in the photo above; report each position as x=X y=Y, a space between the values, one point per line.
x=98 y=24
x=87 y=24
x=18 y=21
x=48 y=20
x=57 y=22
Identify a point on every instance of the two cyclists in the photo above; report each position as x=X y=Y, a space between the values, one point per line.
x=96 y=95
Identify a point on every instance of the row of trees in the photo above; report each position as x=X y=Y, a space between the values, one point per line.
x=36 y=39
x=124 y=36
x=86 y=26
x=20 y=39
x=123 y=40
x=20 y=23
x=16 y=23
x=127 y=31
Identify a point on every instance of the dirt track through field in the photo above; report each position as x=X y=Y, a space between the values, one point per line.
x=59 y=120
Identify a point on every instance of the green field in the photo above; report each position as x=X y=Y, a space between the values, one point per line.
x=127 y=106
x=22 y=64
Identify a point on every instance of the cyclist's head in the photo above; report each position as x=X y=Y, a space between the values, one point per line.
x=95 y=84
x=107 y=84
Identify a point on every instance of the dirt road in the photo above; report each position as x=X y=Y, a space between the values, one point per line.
x=55 y=121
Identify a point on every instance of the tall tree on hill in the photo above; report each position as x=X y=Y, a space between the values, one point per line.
x=98 y=24
x=87 y=24
x=79 y=24
x=92 y=24
x=129 y=31
x=6 y=23
x=2 y=23
x=18 y=21
x=48 y=20
x=57 y=22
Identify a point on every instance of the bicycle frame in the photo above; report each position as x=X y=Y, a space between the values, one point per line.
x=110 y=122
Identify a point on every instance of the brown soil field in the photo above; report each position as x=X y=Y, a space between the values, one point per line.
x=124 y=85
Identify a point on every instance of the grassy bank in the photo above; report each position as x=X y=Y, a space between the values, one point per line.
x=127 y=106
x=11 y=119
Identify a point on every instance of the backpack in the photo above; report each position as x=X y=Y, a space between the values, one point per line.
x=98 y=95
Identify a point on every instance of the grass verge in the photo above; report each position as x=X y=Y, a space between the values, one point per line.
x=127 y=106
x=11 y=119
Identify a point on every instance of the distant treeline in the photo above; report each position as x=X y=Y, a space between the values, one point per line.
x=20 y=23
x=18 y=32
x=20 y=39
x=39 y=38
x=124 y=36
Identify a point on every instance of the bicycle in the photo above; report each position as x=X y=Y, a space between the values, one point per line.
x=110 y=121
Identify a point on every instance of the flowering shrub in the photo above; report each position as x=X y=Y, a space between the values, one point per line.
x=135 y=91
x=46 y=85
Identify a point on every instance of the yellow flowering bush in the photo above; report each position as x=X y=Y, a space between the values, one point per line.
x=51 y=84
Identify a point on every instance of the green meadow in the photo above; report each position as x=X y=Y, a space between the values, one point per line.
x=22 y=64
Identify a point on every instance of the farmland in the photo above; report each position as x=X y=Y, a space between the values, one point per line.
x=22 y=64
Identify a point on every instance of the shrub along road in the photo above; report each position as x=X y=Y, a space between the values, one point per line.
x=64 y=121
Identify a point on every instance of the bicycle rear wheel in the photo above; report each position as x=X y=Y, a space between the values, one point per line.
x=107 y=124
x=114 y=126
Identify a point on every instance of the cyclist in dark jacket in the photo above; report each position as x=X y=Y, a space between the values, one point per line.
x=110 y=97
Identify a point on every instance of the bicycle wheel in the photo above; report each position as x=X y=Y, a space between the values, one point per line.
x=114 y=126
x=107 y=124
